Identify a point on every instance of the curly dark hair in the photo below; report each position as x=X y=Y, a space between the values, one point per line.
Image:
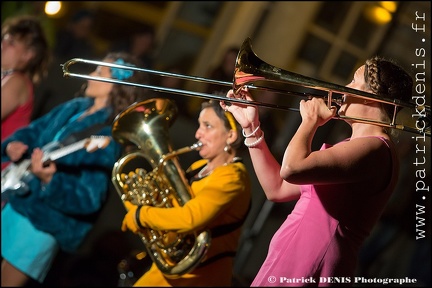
x=122 y=96
x=214 y=104
x=386 y=78
x=28 y=29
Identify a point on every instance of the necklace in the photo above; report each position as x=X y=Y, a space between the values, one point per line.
x=201 y=173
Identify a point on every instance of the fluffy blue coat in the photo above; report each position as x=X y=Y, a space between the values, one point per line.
x=67 y=206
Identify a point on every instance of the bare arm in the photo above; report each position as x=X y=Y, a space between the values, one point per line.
x=14 y=93
x=265 y=165
x=353 y=161
x=267 y=170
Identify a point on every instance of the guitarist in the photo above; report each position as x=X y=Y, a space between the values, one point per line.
x=64 y=196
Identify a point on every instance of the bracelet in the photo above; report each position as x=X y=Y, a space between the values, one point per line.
x=137 y=217
x=253 y=133
x=256 y=142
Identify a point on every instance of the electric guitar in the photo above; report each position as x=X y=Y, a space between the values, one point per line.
x=16 y=176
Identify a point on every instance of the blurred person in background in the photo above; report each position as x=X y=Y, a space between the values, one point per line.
x=141 y=44
x=35 y=8
x=72 y=41
x=25 y=57
x=224 y=71
x=64 y=197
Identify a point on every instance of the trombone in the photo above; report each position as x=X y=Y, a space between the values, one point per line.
x=252 y=72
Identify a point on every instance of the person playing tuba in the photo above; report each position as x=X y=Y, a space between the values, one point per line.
x=221 y=200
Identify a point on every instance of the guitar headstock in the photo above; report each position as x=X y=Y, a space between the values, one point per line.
x=96 y=142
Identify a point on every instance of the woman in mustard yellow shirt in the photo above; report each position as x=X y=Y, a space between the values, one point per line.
x=222 y=194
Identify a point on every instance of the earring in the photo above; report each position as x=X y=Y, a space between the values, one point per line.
x=227 y=148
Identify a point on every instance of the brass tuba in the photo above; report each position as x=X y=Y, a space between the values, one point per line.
x=145 y=125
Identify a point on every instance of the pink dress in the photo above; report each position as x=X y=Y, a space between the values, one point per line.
x=20 y=117
x=322 y=236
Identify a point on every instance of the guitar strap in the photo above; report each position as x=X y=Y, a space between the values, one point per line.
x=77 y=136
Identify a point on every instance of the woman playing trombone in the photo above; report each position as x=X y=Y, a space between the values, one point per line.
x=341 y=190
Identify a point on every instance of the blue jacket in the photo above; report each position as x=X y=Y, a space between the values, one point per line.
x=67 y=206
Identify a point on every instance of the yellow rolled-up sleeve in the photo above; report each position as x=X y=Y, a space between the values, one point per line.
x=213 y=195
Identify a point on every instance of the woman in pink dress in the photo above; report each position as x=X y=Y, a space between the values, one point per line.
x=24 y=61
x=341 y=190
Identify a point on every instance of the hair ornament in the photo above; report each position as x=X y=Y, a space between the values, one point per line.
x=120 y=73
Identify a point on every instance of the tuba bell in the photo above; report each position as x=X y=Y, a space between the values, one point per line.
x=145 y=125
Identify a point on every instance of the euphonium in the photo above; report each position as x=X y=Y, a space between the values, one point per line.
x=145 y=125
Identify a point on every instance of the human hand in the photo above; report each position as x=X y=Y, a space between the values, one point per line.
x=316 y=110
x=43 y=171
x=15 y=150
x=129 y=220
x=246 y=115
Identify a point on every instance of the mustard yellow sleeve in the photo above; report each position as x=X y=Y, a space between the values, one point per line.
x=213 y=194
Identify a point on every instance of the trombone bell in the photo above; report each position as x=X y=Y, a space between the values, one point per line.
x=251 y=71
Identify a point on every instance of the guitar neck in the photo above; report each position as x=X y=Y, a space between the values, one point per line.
x=54 y=155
